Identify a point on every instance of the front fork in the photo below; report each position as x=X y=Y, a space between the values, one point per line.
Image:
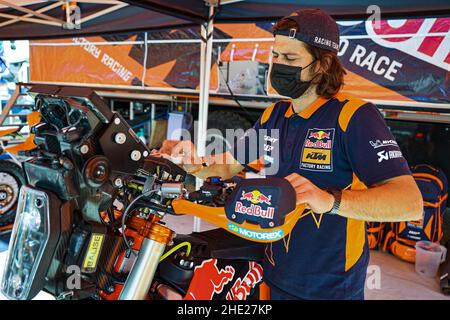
x=140 y=278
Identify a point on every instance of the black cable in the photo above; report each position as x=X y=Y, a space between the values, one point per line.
x=125 y=214
x=68 y=114
x=235 y=98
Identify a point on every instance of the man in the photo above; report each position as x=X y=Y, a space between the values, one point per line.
x=337 y=153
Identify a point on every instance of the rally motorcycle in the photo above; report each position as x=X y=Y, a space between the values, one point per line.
x=11 y=174
x=90 y=220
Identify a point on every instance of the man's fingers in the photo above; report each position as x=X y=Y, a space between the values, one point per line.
x=296 y=183
x=166 y=156
x=290 y=177
x=304 y=192
x=299 y=183
x=295 y=177
x=167 y=146
x=182 y=149
x=303 y=197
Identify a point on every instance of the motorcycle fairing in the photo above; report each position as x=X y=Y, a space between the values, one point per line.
x=246 y=230
x=263 y=202
x=216 y=279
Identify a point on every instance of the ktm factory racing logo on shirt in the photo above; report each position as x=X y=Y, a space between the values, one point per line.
x=317 y=150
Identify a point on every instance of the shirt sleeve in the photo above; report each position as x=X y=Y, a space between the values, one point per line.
x=373 y=153
x=259 y=147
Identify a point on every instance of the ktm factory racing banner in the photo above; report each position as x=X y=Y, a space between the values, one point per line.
x=395 y=60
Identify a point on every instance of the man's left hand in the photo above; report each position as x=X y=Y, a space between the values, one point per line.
x=318 y=200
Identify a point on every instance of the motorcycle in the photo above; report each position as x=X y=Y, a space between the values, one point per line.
x=11 y=173
x=90 y=221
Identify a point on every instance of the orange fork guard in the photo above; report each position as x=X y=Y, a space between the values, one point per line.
x=248 y=231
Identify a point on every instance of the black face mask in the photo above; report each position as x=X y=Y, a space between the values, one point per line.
x=286 y=80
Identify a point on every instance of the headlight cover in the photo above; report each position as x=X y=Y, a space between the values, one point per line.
x=27 y=248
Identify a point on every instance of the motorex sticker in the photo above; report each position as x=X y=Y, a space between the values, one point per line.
x=257 y=235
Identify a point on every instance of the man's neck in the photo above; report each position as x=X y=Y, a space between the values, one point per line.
x=305 y=100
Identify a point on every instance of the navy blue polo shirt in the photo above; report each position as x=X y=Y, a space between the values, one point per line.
x=337 y=143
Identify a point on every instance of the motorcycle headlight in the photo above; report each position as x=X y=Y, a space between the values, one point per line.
x=33 y=237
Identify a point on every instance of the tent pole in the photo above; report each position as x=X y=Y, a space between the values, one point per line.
x=205 y=77
x=204 y=90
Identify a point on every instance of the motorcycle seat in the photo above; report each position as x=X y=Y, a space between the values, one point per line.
x=220 y=244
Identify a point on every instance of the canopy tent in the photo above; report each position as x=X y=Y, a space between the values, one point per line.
x=257 y=10
x=28 y=19
x=38 y=19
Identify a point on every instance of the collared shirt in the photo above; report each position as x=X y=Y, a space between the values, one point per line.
x=338 y=143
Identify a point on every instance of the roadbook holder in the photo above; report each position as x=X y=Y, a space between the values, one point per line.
x=260 y=204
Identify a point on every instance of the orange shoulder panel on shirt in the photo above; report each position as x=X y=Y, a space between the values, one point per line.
x=268 y=112
x=348 y=110
x=313 y=107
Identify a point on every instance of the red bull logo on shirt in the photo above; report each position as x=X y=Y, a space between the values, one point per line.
x=317 y=150
x=319 y=139
x=319 y=135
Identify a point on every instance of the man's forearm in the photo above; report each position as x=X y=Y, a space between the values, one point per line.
x=398 y=200
x=222 y=165
x=225 y=171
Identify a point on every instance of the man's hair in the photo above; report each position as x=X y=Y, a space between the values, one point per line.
x=330 y=76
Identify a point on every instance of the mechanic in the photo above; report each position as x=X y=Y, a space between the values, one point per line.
x=338 y=154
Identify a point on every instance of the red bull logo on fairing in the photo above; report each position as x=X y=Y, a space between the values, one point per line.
x=254 y=210
x=209 y=280
x=256 y=198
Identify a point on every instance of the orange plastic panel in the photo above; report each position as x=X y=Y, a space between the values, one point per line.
x=27 y=145
x=5 y=132
x=217 y=216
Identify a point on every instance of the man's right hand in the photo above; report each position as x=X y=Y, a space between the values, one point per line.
x=185 y=154
x=181 y=152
